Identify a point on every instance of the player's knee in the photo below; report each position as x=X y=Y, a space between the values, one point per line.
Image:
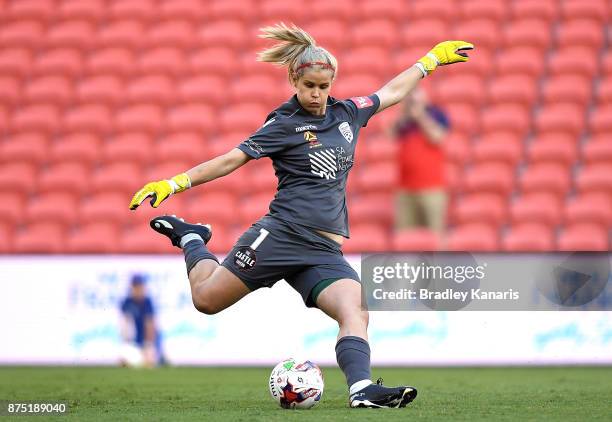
x=354 y=317
x=206 y=306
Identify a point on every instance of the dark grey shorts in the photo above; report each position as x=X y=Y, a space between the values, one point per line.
x=272 y=249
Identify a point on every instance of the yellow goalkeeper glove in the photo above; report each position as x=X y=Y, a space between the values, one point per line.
x=161 y=190
x=447 y=52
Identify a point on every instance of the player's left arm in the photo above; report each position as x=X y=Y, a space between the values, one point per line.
x=444 y=53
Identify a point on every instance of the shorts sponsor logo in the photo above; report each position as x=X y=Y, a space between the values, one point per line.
x=245 y=258
x=362 y=102
x=345 y=130
x=312 y=140
x=304 y=128
x=323 y=164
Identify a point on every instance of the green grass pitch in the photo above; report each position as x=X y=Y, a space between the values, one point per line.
x=241 y=394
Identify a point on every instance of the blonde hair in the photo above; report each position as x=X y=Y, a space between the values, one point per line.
x=296 y=50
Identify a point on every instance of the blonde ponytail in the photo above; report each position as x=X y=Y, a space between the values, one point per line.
x=296 y=50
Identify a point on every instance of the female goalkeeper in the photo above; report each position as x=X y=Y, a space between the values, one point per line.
x=311 y=141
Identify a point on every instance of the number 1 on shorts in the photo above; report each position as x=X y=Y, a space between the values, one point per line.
x=262 y=235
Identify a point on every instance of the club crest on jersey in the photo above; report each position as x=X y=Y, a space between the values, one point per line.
x=313 y=142
x=345 y=130
x=362 y=102
x=323 y=163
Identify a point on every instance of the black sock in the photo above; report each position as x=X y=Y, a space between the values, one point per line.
x=195 y=251
x=353 y=355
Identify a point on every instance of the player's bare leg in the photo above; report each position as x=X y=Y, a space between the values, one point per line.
x=342 y=301
x=213 y=287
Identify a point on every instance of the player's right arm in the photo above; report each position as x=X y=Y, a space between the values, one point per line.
x=202 y=173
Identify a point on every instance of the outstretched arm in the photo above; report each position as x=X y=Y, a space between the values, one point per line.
x=442 y=54
x=202 y=173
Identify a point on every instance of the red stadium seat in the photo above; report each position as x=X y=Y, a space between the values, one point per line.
x=590 y=209
x=40 y=238
x=395 y=10
x=248 y=117
x=489 y=178
x=553 y=178
x=520 y=89
x=39 y=10
x=445 y=10
x=203 y=88
x=459 y=89
x=379 y=177
x=356 y=85
x=117 y=177
x=528 y=33
x=595 y=10
x=563 y=62
x=228 y=33
x=28 y=147
x=271 y=11
x=583 y=237
x=523 y=60
x=595 y=178
x=94 y=117
x=535 y=9
x=600 y=120
x=541 y=208
x=220 y=60
x=113 y=60
x=606 y=63
x=376 y=149
x=11 y=89
x=580 y=32
x=457 y=147
x=377 y=208
x=92 y=10
x=184 y=145
x=41 y=117
x=567 y=118
x=106 y=89
x=168 y=60
x=59 y=61
x=107 y=206
x=494 y=10
x=374 y=33
x=552 y=150
x=140 y=117
x=141 y=239
x=423 y=34
x=367 y=238
x=142 y=10
x=214 y=208
x=375 y=59
x=604 y=92
x=76 y=147
x=15 y=61
x=157 y=89
x=75 y=34
x=22 y=33
x=473 y=238
x=415 y=240
x=329 y=32
x=493 y=151
x=55 y=207
x=225 y=237
x=464 y=118
x=11 y=208
x=98 y=237
x=193 y=10
x=65 y=177
x=253 y=89
x=480 y=208
x=242 y=9
x=511 y=117
x=340 y=9
x=192 y=117
x=127 y=146
x=251 y=208
x=528 y=237
x=127 y=33
x=483 y=33
x=567 y=89
x=49 y=89
x=6 y=238
x=598 y=150
x=172 y=33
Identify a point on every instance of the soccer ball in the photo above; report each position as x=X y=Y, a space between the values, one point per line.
x=296 y=385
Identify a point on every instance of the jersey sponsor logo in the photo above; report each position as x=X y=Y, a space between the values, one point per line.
x=345 y=130
x=245 y=258
x=312 y=140
x=323 y=164
x=362 y=102
x=305 y=127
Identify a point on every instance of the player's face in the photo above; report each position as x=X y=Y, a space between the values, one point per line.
x=312 y=90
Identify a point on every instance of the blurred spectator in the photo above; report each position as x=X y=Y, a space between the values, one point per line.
x=141 y=341
x=421 y=129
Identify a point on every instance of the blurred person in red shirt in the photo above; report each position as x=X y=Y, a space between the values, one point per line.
x=421 y=129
